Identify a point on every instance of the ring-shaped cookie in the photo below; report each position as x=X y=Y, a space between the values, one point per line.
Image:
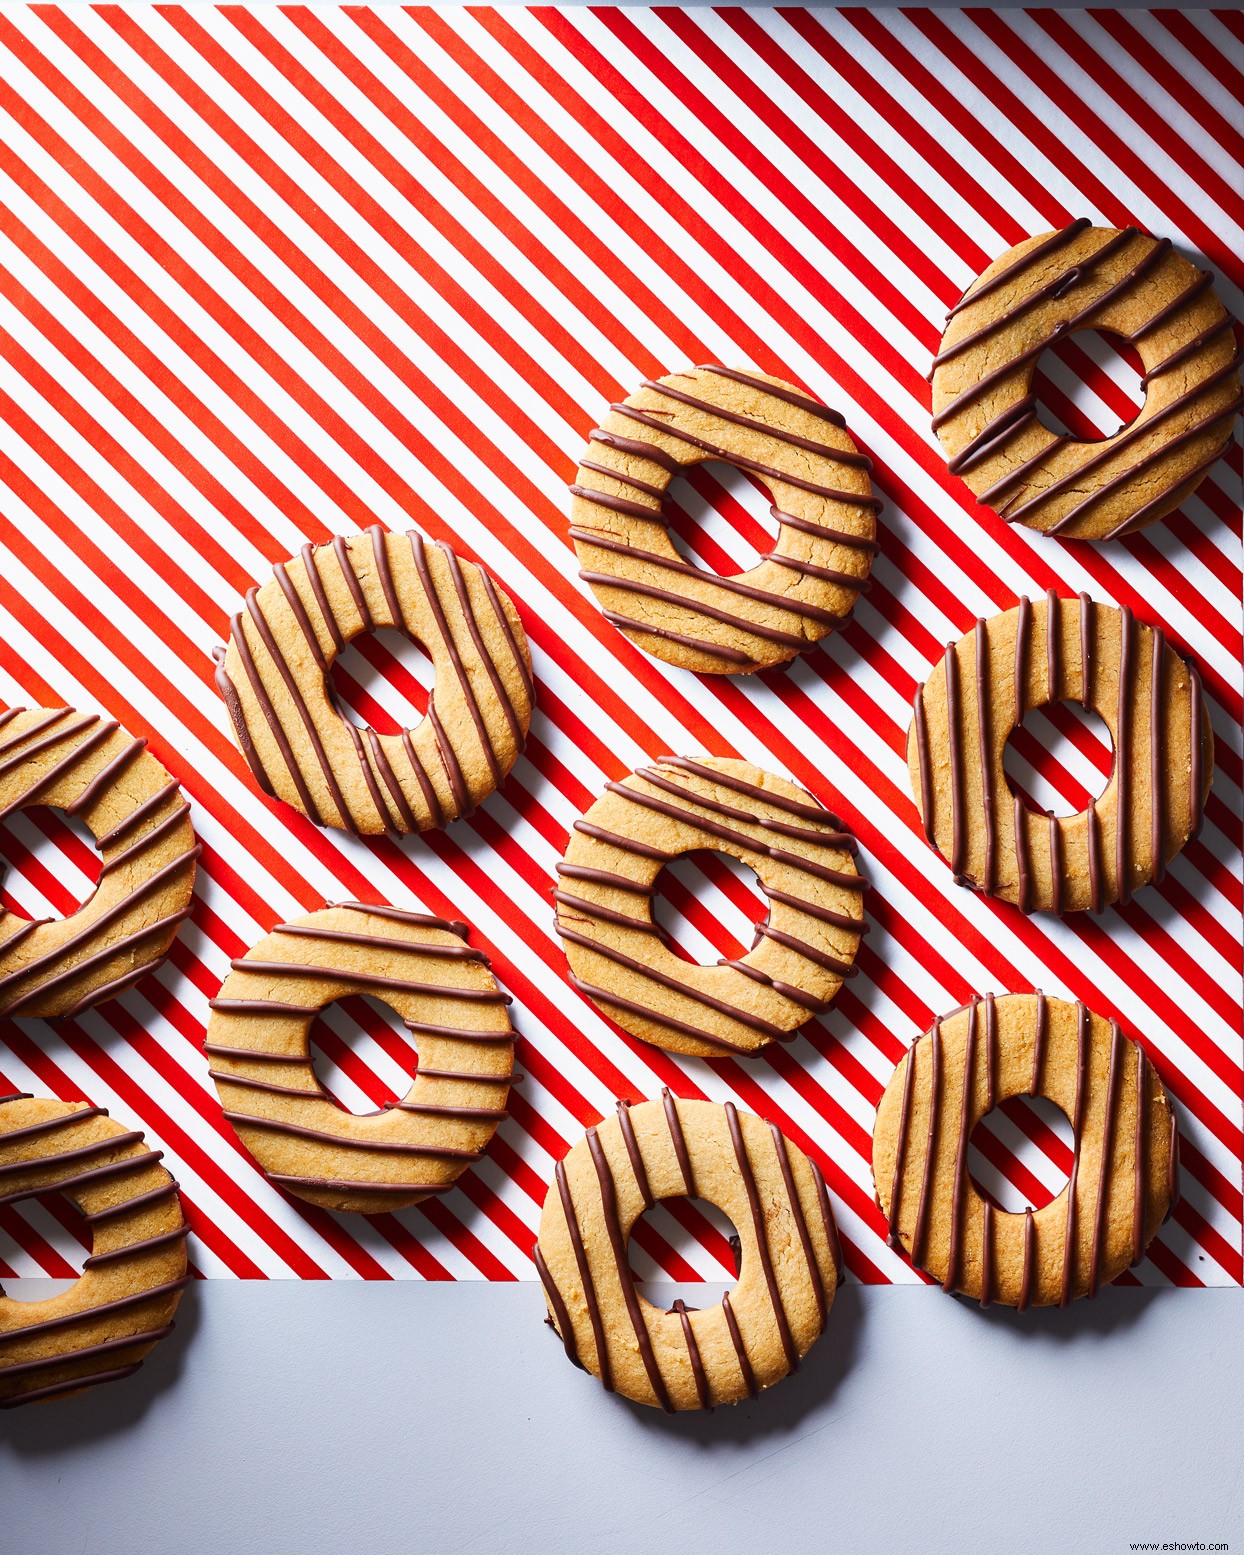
x=618 y=956
x=90 y=768
x=1061 y=650
x=1083 y=277
x=103 y=1325
x=1124 y=1170
x=274 y=678
x=822 y=500
x=789 y=1257
x=258 y=1043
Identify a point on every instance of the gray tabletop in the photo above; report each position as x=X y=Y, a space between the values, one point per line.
x=406 y=1417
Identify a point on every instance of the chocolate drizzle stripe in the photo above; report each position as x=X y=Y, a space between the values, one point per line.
x=829 y=839
x=1048 y=245
x=368 y=979
x=1138 y=1159
x=927 y=1170
x=1039 y=1038
x=460 y=1033
x=70 y=1385
x=258 y=1007
x=1186 y=481
x=1077 y=1128
x=840 y=920
x=418 y=551
x=1189 y=348
x=958 y=820
x=637 y=449
x=504 y=700
x=983 y=742
x=613 y=1229
x=347 y=1142
x=137 y=815
x=86 y=721
x=617 y=840
x=294 y=600
x=507 y=631
x=15 y=1096
x=630 y=624
x=1193 y=290
x=369 y=780
x=312 y=567
x=702 y=1392
x=128 y=1163
x=1157 y=785
x=779 y=391
x=986 y=1254
x=738 y=785
x=409 y=819
x=51 y=1125
x=715 y=451
x=845 y=580
x=748 y=1175
x=606 y=996
x=893 y=1237
x=1028 y=1276
x=426 y=788
x=41 y=1162
x=797 y=607
x=744 y=1017
x=1123 y=759
x=604 y=877
x=678 y=1139
x=106 y=775
x=634 y=1155
x=624 y=505
x=444 y=1110
x=959 y=1181
x=580 y=904
x=233 y=705
x=350 y=1185
x=88 y=1314
x=827 y=1220
x=270 y=1087
x=585 y=1276
x=1107 y=1156
x=28 y=733
x=739 y=623
x=740 y=1349
x=345 y=561
x=796 y=995
x=294 y=692
x=646 y=487
x=801 y=1224
x=802 y=948
x=382 y=941
x=272 y=719
x=71 y=1357
x=561 y=1317
x=147 y=1245
x=924 y=760
x=129 y=1206
x=511 y=1078
x=161 y=829
x=420 y=920
x=994 y=435
x=1172 y=1167
x=779 y=434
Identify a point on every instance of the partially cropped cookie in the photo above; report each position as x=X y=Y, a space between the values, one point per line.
x=822 y=501
x=1124 y=1170
x=274 y=678
x=258 y=1043
x=92 y=769
x=99 y=1329
x=789 y=1259
x=1061 y=650
x=1126 y=283
x=619 y=958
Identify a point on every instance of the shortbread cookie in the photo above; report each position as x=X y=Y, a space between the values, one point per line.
x=90 y=768
x=1061 y=650
x=1124 y=1172
x=789 y=1258
x=258 y=1043
x=618 y=956
x=1039 y=292
x=103 y=1325
x=822 y=501
x=274 y=677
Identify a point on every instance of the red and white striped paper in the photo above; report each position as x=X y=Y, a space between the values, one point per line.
x=272 y=274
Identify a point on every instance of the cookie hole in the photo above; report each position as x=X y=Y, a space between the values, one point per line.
x=707 y=906
x=719 y=518
x=679 y=1245
x=382 y=681
x=1059 y=759
x=362 y=1054
x=1089 y=385
x=1019 y=1154
x=43 y=1238
x=51 y=863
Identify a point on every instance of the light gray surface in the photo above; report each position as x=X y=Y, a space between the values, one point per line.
x=312 y=1419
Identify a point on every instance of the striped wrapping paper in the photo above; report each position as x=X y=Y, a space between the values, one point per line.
x=269 y=275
